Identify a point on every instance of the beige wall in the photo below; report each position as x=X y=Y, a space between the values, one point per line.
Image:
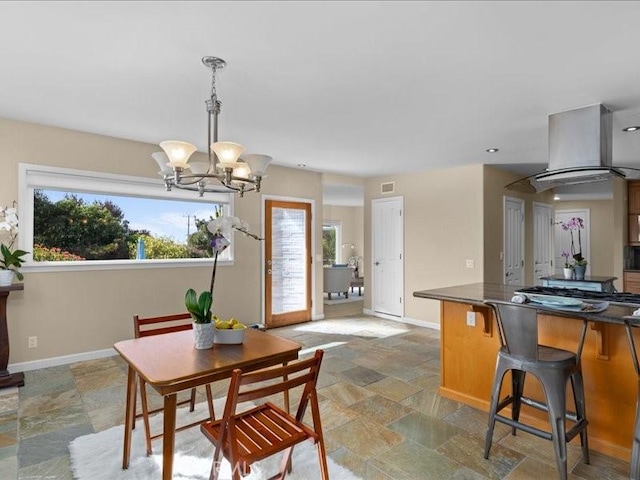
x=443 y=216
x=74 y=312
x=451 y=215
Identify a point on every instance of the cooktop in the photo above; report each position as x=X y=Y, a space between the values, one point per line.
x=615 y=297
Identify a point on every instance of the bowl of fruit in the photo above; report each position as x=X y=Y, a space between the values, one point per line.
x=229 y=332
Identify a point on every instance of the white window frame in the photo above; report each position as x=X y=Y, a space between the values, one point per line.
x=338 y=226
x=35 y=177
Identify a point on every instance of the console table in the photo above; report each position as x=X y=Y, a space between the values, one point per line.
x=596 y=284
x=7 y=379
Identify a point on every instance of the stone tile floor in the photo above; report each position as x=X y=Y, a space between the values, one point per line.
x=381 y=413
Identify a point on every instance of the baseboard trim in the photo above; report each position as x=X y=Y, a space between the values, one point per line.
x=62 y=360
x=109 y=352
x=411 y=321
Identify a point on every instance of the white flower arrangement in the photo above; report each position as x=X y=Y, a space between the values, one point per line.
x=10 y=259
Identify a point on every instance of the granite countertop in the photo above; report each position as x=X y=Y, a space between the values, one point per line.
x=478 y=293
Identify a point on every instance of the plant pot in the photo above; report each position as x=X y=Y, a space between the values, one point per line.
x=568 y=273
x=203 y=334
x=6 y=278
x=580 y=269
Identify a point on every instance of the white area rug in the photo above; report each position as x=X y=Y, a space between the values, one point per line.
x=99 y=456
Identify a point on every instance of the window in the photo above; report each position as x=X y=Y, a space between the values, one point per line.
x=78 y=219
x=331 y=240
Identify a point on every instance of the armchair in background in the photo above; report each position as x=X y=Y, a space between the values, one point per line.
x=337 y=279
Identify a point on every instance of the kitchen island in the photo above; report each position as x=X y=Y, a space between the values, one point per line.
x=470 y=342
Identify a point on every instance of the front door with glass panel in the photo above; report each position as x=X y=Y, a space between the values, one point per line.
x=288 y=263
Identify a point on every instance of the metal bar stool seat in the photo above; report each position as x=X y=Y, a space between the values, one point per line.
x=553 y=367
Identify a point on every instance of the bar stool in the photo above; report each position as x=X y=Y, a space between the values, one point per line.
x=521 y=354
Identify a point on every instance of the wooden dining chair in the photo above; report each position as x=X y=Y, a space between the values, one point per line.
x=144 y=327
x=246 y=437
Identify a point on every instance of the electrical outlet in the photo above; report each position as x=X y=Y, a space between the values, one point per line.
x=471 y=264
x=471 y=319
x=32 y=342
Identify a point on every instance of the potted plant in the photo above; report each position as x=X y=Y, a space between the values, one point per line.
x=580 y=263
x=10 y=260
x=200 y=309
x=568 y=268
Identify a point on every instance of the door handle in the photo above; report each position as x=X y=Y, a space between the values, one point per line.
x=377 y=263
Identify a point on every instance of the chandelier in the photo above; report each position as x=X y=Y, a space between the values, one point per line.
x=226 y=166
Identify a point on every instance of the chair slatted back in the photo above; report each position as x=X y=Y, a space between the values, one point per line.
x=518 y=326
x=145 y=327
x=304 y=372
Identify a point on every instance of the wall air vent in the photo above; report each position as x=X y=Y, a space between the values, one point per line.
x=388 y=187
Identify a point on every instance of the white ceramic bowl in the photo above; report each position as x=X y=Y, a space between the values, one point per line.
x=228 y=336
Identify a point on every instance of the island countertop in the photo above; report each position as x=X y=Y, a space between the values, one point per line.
x=469 y=341
x=478 y=293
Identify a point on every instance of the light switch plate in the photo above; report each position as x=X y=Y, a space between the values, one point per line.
x=471 y=264
x=471 y=319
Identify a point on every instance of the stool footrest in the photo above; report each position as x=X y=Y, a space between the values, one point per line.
x=524 y=427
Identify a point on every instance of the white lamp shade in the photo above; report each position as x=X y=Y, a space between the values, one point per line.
x=227 y=153
x=257 y=163
x=242 y=170
x=178 y=152
x=199 y=168
x=163 y=162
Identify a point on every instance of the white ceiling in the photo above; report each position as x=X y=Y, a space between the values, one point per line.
x=356 y=88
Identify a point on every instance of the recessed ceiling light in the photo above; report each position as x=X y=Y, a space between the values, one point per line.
x=492 y=150
x=302 y=165
x=631 y=129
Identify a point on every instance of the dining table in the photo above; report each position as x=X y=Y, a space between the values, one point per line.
x=170 y=363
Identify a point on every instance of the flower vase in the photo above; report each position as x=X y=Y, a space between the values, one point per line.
x=568 y=273
x=203 y=334
x=580 y=269
x=6 y=277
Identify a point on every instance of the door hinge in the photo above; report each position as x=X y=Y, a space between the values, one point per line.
x=401 y=256
x=400 y=299
x=400 y=212
x=522 y=263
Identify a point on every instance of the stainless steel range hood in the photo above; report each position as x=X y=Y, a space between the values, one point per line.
x=580 y=151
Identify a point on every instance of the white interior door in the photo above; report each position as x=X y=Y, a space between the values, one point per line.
x=513 y=241
x=562 y=238
x=388 y=267
x=542 y=241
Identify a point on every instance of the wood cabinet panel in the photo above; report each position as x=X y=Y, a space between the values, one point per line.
x=634 y=196
x=468 y=363
x=632 y=282
x=634 y=229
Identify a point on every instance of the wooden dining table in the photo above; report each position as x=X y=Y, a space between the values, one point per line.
x=169 y=363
